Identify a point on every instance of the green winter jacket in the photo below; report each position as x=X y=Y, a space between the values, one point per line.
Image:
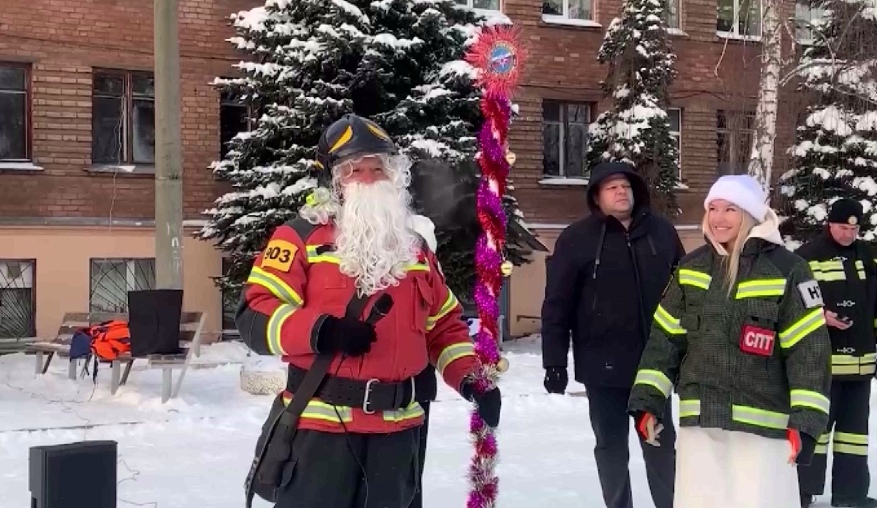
x=757 y=360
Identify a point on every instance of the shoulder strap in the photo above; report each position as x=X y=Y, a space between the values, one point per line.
x=302 y=227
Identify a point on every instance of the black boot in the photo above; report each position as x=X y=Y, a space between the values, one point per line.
x=806 y=500
x=865 y=502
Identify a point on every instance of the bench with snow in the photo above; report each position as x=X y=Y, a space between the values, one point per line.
x=191 y=325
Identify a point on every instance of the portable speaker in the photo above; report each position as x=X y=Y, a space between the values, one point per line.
x=154 y=321
x=73 y=475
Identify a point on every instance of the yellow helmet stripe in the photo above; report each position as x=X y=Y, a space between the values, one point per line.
x=377 y=131
x=348 y=134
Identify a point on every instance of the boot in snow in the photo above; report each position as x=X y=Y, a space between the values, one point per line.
x=806 y=500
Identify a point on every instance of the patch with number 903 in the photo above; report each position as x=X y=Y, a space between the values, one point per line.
x=278 y=255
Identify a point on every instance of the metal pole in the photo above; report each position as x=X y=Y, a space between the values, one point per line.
x=168 y=149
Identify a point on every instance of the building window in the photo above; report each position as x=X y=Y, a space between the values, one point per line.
x=567 y=9
x=486 y=5
x=14 y=113
x=123 y=118
x=233 y=118
x=739 y=18
x=229 y=306
x=734 y=134
x=111 y=279
x=805 y=14
x=565 y=138
x=17 y=298
x=672 y=14
x=674 y=116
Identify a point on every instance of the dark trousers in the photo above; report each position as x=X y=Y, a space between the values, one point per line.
x=611 y=424
x=848 y=417
x=424 y=430
x=351 y=470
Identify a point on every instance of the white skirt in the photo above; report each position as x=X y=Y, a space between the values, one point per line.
x=727 y=469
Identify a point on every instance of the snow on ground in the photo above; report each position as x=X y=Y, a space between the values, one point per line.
x=196 y=450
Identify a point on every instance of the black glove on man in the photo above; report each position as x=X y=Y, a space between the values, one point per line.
x=344 y=335
x=489 y=402
x=556 y=379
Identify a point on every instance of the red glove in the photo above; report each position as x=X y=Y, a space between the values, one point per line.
x=803 y=447
x=648 y=428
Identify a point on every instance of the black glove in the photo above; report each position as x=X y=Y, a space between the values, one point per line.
x=556 y=379
x=808 y=448
x=344 y=335
x=489 y=402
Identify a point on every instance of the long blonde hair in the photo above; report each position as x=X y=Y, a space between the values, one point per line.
x=730 y=260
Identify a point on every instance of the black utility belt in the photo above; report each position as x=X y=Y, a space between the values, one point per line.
x=370 y=396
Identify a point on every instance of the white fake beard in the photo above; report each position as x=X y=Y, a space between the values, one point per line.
x=373 y=239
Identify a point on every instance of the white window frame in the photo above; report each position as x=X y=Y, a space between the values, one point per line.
x=469 y=4
x=564 y=19
x=677 y=135
x=562 y=123
x=804 y=24
x=735 y=33
x=678 y=26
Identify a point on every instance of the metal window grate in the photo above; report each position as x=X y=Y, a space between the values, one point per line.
x=111 y=279
x=17 y=316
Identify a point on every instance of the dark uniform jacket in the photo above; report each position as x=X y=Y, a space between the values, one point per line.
x=848 y=279
x=757 y=360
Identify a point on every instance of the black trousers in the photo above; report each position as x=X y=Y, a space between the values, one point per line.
x=424 y=431
x=611 y=424
x=351 y=470
x=848 y=417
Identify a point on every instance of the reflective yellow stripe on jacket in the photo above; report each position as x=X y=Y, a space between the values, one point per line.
x=698 y=279
x=320 y=254
x=446 y=307
x=668 y=322
x=656 y=379
x=283 y=292
x=759 y=288
x=846 y=365
x=319 y=410
x=801 y=328
x=827 y=271
x=690 y=408
x=808 y=399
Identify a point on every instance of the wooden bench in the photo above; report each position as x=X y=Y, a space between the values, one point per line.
x=191 y=326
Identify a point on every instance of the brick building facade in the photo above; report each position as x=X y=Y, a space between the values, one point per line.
x=76 y=136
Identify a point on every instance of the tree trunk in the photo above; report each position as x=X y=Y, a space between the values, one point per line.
x=761 y=159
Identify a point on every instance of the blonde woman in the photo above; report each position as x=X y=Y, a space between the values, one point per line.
x=741 y=334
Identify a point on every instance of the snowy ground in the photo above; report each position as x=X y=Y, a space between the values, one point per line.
x=195 y=451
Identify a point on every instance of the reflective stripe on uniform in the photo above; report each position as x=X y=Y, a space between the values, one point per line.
x=827 y=271
x=414 y=410
x=447 y=307
x=822 y=444
x=667 y=322
x=809 y=399
x=801 y=328
x=849 y=365
x=761 y=287
x=688 y=277
x=689 y=408
x=319 y=410
x=850 y=444
x=329 y=256
x=454 y=352
x=860 y=269
x=654 y=378
x=275 y=327
x=275 y=285
x=759 y=417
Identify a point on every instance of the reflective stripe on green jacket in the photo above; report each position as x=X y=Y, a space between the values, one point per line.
x=756 y=360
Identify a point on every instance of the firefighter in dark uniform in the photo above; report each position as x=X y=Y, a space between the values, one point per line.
x=847 y=275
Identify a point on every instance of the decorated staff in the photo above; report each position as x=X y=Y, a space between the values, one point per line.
x=498 y=56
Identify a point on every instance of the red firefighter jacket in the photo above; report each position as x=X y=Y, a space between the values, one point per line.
x=293 y=283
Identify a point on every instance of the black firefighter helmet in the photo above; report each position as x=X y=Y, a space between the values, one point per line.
x=348 y=137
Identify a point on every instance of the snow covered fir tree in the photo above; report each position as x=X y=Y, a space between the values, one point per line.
x=636 y=129
x=399 y=62
x=835 y=151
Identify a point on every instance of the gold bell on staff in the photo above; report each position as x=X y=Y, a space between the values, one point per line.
x=510 y=157
x=506 y=268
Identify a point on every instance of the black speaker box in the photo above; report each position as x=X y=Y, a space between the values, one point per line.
x=74 y=475
x=154 y=321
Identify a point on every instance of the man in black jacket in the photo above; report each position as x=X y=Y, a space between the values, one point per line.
x=604 y=283
x=847 y=275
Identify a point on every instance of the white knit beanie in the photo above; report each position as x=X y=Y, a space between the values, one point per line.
x=742 y=190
